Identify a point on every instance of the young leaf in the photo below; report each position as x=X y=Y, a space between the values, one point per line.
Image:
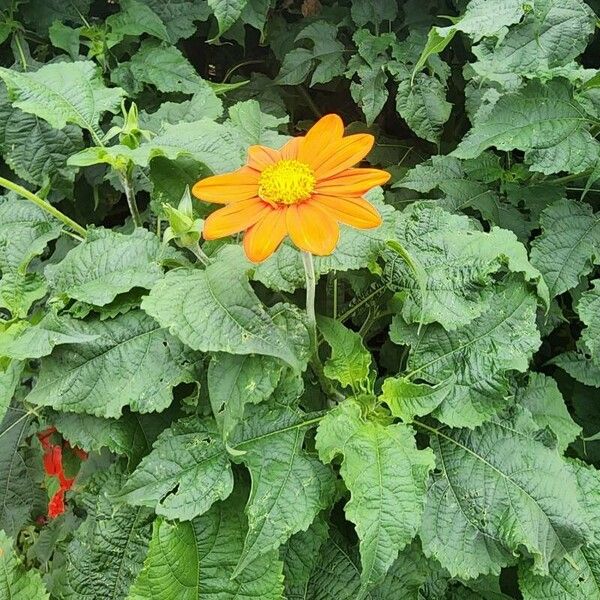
x=350 y=361
x=133 y=362
x=108 y=548
x=106 y=264
x=16 y=582
x=216 y=310
x=473 y=361
x=64 y=93
x=196 y=559
x=289 y=486
x=567 y=247
x=500 y=490
x=386 y=475
x=408 y=400
x=186 y=472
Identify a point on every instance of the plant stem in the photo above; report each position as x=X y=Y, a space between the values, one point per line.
x=311 y=285
x=574 y=177
x=43 y=204
x=130 y=195
x=200 y=254
x=311 y=103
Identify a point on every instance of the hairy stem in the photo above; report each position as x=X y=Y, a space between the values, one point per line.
x=125 y=178
x=43 y=204
x=200 y=254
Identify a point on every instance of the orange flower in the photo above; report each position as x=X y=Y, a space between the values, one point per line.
x=303 y=190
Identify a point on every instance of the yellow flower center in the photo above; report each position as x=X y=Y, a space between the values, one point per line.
x=286 y=182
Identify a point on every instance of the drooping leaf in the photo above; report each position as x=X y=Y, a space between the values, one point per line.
x=196 y=559
x=473 y=362
x=216 y=310
x=289 y=486
x=226 y=12
x=16 y=582
x=135 y=18
x=568 y=245
x=108 y=548
x=179 y=16
x=408 y=400
x=106 y=264
x=500 y=491
x=579 y=367
x=9 y=380
x=134 y=362
x=588 y=308
x=64 y=93
x=386 y=475
x=186 y=472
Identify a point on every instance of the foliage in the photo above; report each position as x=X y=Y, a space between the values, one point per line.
x=442 y=442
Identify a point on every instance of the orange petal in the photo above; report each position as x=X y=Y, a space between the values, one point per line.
x=262 y=239
x=352 y=182
x=319 y=140
x=356 y=212
x=260 y=157
x=346 y=152
x=312 y=229
x=289 y=151
x=230 y=187
x=234 y=217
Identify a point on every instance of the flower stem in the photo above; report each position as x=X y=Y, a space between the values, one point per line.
x=43 y=204
x=200 y=254
x=311 y=284
x=130 y=195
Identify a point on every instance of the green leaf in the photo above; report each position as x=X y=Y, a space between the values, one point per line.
x=134 y=362
x=500 y=492
x=539 y=117
x=164 y=67
x=386 y=475
x=192 y=560
x=289 y=486
x=43 y=13
x=545 y=403
x=364 y=11
x=350 y=361
x=216 y=310
x=408 y=400
x=108 y=548
x=588 y=308
x=106 y=264
x=484 y=18
x=18 y=488
x=10 y=377
x=579 y=367
x=474 y=360
x=327 y=54
x=568 y=246
x=255 y=126
x=135 y=18
x=455 y=262
x=579 y=577
x=66 y=38
x=25 y=230
x=16 y=582
x=19 y=290
x=179 y=16
x=227 y=12
x=422 y=104
x=64 y=93
x=186 y=472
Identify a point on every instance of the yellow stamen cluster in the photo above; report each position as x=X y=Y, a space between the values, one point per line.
x=286 y=182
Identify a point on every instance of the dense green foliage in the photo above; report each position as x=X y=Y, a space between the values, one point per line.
x=445 y=445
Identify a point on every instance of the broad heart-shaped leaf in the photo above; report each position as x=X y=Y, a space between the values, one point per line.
x=18 y=488
x=16 y=582
x=350 y=361
x=474 y=361
x=25 y=230
x=499 y=491
x=216 y=310
x=64 y=93
x=196 y=559
x=536 y=117
x=579 y=577
x=552 y=34
x=452 y=263
x=186 y=472
x=569 y=245
x=108 y=548
x=164 y=67
x=543 y=400
x=134 y=362
x=588 y=308
x=289 y=486
x=356 y=249
x=386 y=475
x=226 y=12
x=108 y=263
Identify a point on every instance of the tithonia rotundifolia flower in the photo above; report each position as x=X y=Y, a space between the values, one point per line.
x=304 y=190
